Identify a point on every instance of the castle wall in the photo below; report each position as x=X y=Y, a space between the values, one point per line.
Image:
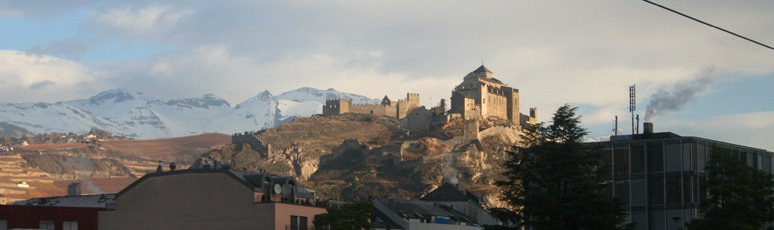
x=397 y=109
x=376 y=110
x=404 y=106
x=417 y=121
x=513 y=112
x=336 y=106
x=239 y=139
x=495 y=105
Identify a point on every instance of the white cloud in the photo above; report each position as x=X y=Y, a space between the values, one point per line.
x=140 y=21
x=33 y=78
x=750 y=129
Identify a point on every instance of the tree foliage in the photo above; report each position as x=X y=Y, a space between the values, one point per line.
x=552 y=178
x=349 y=216
x=740 y=197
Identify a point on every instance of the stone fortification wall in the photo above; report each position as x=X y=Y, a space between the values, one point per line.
x=405 y=105
x=397 y=109
x=239 y=139
x=376 y=110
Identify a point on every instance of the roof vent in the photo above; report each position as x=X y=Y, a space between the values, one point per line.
x=160 y=168
x=74 y=189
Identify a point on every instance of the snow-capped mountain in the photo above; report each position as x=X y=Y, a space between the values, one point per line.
x=305 y=101
x=137 y=115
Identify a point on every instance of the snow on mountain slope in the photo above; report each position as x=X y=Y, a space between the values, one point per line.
x=306 y=94
x=307 y=101
x=185 y=117
x=45 y=117
x=256 y=113
x=134 y=114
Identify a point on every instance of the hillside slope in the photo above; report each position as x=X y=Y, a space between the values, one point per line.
x=355 y=156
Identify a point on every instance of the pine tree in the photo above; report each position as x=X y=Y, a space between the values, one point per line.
x=740 y=197
x=552 y=177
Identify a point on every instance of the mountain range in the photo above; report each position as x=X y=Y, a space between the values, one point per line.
x=142 y=116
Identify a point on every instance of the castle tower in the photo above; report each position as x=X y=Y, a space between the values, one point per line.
x=337 y=106
x=481 y=93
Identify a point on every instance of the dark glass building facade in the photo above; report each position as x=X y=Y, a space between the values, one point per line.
x=659 y=177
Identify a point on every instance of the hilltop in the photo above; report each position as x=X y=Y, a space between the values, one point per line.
x=356 y=156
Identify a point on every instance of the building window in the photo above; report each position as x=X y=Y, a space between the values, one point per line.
x=638 y=158
x=656 y=190
x=298 y=223
x=302 y=222
x=70 y=225
x=621 y=163
x=655 y=157
x=3 y=225
x=674 y=191
x=47 y=224
x=293 y=222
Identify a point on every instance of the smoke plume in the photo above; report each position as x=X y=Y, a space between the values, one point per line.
x=679 y=95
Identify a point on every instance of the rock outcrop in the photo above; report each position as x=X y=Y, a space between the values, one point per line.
x=355 y=156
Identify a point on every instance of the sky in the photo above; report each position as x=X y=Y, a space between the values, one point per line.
x=705 y=82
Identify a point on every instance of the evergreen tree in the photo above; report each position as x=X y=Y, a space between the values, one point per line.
x=740 y=197
x=552 y=178
x=350 y=216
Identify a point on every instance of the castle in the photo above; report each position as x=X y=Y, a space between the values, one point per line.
x=480 y=95
x=387 y=108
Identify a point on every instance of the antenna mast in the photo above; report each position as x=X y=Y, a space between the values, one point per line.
x=632 y=103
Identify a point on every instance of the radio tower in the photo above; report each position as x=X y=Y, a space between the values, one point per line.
x=632 y=103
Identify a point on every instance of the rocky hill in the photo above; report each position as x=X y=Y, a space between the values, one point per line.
x=356 y=156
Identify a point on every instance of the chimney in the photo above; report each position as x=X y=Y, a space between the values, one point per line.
x=160 y=168
x=74 y=189
x=648 y=127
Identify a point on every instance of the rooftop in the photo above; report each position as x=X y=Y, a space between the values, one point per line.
x=449 y=192
x=418 y=209
x=254 y=181
x=88 y=201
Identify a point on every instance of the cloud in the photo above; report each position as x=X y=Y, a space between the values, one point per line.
x=32 y=78
x=41 y=84
x=589 y=52
x=750 y=129
x=139 y=21
x=38 y=8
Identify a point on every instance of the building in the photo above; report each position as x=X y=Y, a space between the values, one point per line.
x=480 y=95
x=65 y=212
x=464 y=202
x=48 y=217
x=212 y=199
x=417 y=215
x=395 y=109
x=446 y=207
x=659 y=177
x=420 y=120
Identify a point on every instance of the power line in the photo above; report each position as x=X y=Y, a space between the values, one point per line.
x=710 y=25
